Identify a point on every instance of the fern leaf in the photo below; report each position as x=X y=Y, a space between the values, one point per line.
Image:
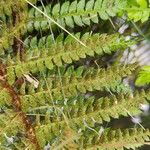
x=79 y=13
x=50 y=98
x=144 y=76
x=90 y=111
x=73 y=85
x=117 y=139
x=138 y=10
x=60 y=53
x=107 y=140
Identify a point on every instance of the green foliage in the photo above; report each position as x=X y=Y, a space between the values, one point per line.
x=80 y=110
x=111 y=139
x=144 y=76
x=128 y=138
x=74 y=84
x=138 y=10
x=83 y=13
x=6 y=7
x=56 y=91
x=11 y=126
x=77 y=12
x=46 y=54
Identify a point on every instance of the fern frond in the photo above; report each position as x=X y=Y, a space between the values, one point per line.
x=77 y=12
x=138 y=10
x=116 y=139
x=144 y=76
x=80 y=111
x=48 y=100
x=66 y=52
x=107 y=140
x=72 y=86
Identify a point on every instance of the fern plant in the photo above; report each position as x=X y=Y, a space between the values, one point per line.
x=57 y=93
x=143 y=77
